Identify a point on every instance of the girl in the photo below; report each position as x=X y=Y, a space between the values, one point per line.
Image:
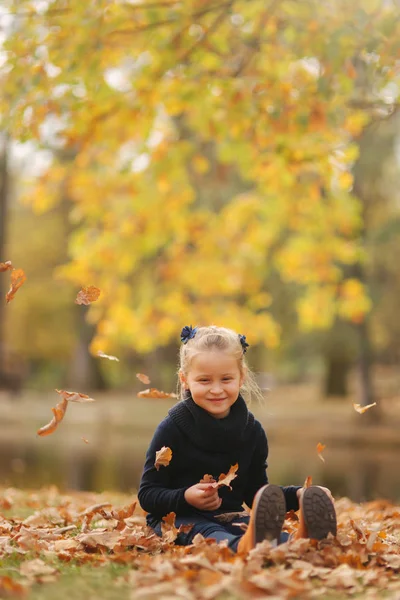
x=211 y=430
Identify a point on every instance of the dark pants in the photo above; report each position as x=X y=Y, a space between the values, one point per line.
x=212 y=528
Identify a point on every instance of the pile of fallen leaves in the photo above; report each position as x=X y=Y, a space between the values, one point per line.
x=83 y=528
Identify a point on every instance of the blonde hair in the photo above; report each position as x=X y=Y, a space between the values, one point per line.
x=210 y=338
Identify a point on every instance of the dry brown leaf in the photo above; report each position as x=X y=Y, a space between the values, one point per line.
x=18 y=277
x=5 y=266
x=169 y=531
x=85 y=440
x=74 y=396
x=109 y=356
x=163 y=457
x=308 y=482
x=321 y=448
x=58 y=412
x=154 y=393
x=87 y=295
x=228 y=517
x=143 y=378
x=10 y=588
x=226 y=479
x=207 y=479
x=362 y=409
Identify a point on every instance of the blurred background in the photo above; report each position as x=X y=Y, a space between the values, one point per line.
x=201 y=161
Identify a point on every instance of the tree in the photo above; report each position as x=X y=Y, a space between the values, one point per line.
x=156 y=98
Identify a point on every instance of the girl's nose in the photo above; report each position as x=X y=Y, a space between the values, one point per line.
x=216 y=388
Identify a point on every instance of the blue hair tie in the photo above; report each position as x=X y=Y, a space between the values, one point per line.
x=188 y=333
x=245 y=345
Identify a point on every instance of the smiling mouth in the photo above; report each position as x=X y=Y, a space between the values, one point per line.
x=217 y=399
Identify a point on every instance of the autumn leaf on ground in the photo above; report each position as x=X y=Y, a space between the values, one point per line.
x=154 y=393
x=75 y=396
x=229 y=516
x=5 y=266
x=110 y=357
x=361 y=409
x=169 y=530
x=143 y=378
x=87 y=295
x=58 y=412
x=308 y=482
x=163 y=457
x=226 y=479
x=321 y=448
x=18 y=277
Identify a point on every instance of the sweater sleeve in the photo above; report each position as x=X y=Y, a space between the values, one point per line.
x=258 y=469
x=155 y=493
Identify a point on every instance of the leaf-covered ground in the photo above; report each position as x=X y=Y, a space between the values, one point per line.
x=97 y=546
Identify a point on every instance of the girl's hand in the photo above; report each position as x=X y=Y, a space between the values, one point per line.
x=328 y=492
x=203 y=496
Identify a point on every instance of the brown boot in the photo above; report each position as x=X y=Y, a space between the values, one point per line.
x=317 y=515
x=266 y=519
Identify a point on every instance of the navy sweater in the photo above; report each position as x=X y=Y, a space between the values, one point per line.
x=202 y=445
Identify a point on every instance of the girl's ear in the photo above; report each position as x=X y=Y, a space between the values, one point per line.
x=183 y=380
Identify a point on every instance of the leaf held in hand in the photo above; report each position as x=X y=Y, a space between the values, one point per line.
x=143 y=378
x=154 y=393
x=87 y=295
x=362 y=409
x=226 y=479
x=18 y=277
x=163 y=457
x=321 y=448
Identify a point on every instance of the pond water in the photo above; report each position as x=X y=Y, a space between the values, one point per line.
x=113 y=460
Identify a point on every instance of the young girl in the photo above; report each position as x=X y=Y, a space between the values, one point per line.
x=209 y=431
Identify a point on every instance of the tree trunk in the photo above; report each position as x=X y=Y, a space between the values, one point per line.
x=337 y=370
x=4 y=181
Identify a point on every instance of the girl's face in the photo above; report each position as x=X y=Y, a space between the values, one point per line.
x=214 y=380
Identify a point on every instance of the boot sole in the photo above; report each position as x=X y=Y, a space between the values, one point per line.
x=319 y=513
x=270 y=511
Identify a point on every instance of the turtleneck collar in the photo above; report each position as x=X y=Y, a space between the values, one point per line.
x=209 y=433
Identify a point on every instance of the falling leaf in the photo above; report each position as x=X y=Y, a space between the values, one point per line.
x=18 y=277
x=361 y=409
x=226 y=479
x=308 y=482
x=163 y=457
x=74 y=396
x=5 y=266
x=87 y=295
x=321 y=448
x=143 y=378
x=154 y=393
x=169 y=531
x=102 y=355
x=58 y=412
x=85 y=440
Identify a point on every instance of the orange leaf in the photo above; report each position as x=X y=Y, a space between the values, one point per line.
x=18 y=277
x=321 y=448
x=87 y=295
x=163 y=457
x=85 y=440
x=169 y=530
x=5 y=266
x=226 y=479
x=143 y=378
x=102 y=355
x=74 y=396
x=308 y=482
x=207 y=479
x=153 y=393
x=58 y=412
x=362 y=409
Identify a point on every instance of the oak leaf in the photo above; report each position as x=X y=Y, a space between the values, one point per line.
x=5 y=266
x=163 y=457
x=321 y=448
x=143 y=378
x=362 y=409
x=168 y=529
x=226 y=479
x=87 y=295
x=75 y=396
x=18 y=277
x=109 y=356
x=154 y=393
